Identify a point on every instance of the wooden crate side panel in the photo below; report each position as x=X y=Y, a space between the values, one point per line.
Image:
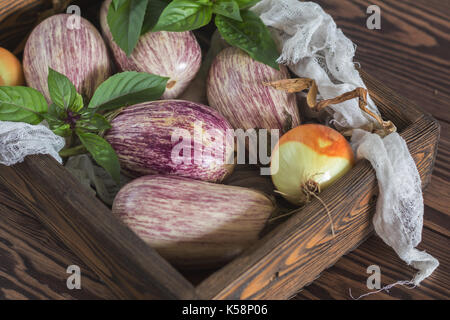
x=296 y=252
x=17 y=18
x=122 y=260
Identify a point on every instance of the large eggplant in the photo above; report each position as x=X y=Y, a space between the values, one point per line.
x=173 y=137
x=176 y=55
x=192 y=223
x=78 y=52
x=235 y=88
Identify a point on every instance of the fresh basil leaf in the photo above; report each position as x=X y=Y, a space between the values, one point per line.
x=250 y=35
x=78 y=104
x=62 y=130
x=184 y=15
x=126 y=22
x=154 y=10
x=245 y=4
x=127 y=88
x=22 y=104
x=227 y=8
x=96 y=123
x=118 y=3
x=102 y=152
x=63 y=92
x=87 y=114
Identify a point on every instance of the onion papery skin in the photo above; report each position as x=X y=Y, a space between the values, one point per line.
x=176 y=55
x=80 y=54
x=235 y=89
x=141 y=135
x=192 y=223
x=11 y=72
x=309 y=153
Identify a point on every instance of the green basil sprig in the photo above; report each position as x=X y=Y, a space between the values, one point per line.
x=251 y=35
x=227 y=8
x=184 y=15
x=125 y=19
x=68 y=117
x=128 y=19
x=22 y=104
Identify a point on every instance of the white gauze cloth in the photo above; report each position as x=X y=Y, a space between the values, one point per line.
x=18 y=140
x=313 y=47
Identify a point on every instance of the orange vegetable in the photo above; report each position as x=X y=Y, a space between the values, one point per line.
x=11 y=73
x=308 y=159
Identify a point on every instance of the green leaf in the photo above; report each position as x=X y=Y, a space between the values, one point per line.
x=102 y=152
x=127 y=88
x=154 y=10
x=184 y=15
x=22 y=104
x=63 y=92
x=118 y=3
x=62 y=130
x=245 y=4
x=251 y=35
x=227 y=8
x=96 y=123
x=125 y=23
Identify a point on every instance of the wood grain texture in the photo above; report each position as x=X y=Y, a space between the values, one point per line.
x=16 y=19
x=410 y=53
x=129 y=267
x=349 y=273
x=33 y=262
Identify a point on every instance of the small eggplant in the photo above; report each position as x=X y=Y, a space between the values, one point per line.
x=78 y=52
x=193 y=223
x=173 y=137
x=176 y=55
x=235 y=88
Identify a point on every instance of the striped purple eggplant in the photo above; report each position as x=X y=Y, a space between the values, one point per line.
x=235 y=88
x=77 y=51
x=173 y=137
x=192 y=223
x=176 y=55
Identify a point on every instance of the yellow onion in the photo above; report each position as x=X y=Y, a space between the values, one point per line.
x=307 y=159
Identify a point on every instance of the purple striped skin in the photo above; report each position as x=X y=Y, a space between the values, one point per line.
x=192 y=223
x=141 y=136
x=176 y=55
x=235 y=88
x=80 y=54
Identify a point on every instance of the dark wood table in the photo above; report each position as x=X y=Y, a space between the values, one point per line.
x=410 y=54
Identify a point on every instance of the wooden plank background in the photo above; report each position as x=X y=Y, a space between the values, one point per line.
x=410 y=54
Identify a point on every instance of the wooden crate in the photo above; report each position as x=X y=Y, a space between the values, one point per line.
x=287 y=258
